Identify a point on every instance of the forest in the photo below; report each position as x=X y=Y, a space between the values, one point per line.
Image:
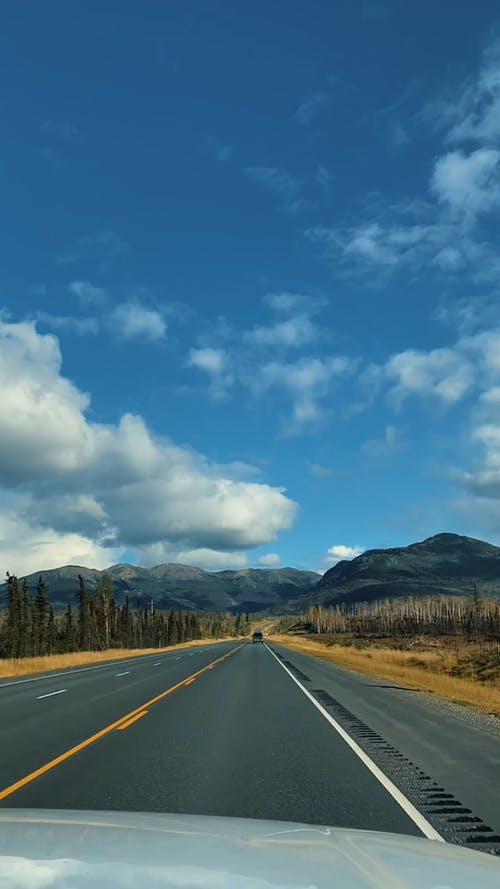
x=29 y=626
x=468 y=617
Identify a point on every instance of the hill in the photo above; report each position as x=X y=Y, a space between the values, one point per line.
x=181 y=586
x=446 y=564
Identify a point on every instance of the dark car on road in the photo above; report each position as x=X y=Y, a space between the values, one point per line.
x=257 y=636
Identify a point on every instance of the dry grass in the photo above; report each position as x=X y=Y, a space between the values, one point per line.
x=22 y=666
x=422 y=670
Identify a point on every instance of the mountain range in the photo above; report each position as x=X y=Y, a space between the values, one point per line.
x=181 y=586
x=446 y=564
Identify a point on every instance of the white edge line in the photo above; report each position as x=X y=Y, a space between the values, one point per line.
x=126 y=673
x=427 y=829
x=50 y=693
x=139 y=658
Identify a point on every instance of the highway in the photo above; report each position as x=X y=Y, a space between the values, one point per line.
x=251 y=731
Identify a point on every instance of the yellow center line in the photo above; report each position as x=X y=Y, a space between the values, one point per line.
x=189 y=681
x=105 y=731
x=126 y=724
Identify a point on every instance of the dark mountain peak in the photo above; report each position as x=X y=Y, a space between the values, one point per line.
x=445 y=563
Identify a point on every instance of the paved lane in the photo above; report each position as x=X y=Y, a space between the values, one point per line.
x=241 y=739
x=34 y=729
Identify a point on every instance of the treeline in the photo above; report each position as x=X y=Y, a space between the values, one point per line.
x=427 y=615
x=94 y=622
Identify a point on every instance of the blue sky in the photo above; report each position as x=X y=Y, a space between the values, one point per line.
x=249 y=288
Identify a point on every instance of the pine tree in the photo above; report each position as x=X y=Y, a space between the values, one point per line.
x=51 y=632
x=26 y=621
x=83 y=619
x=13 y=629
x=68 y=638
x=40 y=619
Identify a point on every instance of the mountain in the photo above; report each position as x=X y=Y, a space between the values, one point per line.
x=181 y=586
x=446 y=564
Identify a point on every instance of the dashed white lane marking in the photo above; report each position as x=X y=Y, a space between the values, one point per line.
x=51 y=693
x=157 y=664
x=123 y=674
x=408 y=807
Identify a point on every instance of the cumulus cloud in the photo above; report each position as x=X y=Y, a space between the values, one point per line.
x=131 y=320
x=473 y=114
x=215 y=363
x=26 y=547
x=340 y=552
x=83 y=326
x=211 y=559
x=446 y=374
x=127 y=487
x=270 y=560
x=294 y=332
x=307 y=382
x=468 y=184
x=447 y=233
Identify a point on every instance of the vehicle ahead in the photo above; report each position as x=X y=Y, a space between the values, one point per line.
x=257 y=636
x=100 y=850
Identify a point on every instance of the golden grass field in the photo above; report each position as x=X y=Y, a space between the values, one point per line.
x=421 y=670
x=22 y=666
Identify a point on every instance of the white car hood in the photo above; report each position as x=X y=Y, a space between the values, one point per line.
x=100 y=850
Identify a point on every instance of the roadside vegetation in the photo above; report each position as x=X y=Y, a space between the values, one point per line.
x=35 y=638
x=446 y=645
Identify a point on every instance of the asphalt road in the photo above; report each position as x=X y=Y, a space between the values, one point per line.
x=227 y=729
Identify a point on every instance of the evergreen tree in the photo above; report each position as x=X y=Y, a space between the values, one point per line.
x=40 y=612
x=51 y=632
x=26 y=621
x=13 y=629
x=83 y=619
x=68 y=636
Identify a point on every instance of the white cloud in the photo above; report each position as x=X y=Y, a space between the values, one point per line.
x=215 y=363
x=468 y=184
x=26 y=547
x=212 y=560
x=270 y=560
x=339 y=552
x=307 y=381
x=286 y=302
x=446 y=374
x=311 y=107
x=74 y=323
x=474 y=114
x=444 y=233
x=294 y=332
x=88 y=293
x=133 y=321
x=126 y=486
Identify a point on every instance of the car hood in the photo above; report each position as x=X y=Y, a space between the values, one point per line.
x=100 y=850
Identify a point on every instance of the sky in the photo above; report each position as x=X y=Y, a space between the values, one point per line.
x=249 y=289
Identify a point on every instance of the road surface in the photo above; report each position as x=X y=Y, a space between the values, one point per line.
x=248 y=730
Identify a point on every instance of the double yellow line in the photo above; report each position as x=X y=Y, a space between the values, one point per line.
x=121 y=724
